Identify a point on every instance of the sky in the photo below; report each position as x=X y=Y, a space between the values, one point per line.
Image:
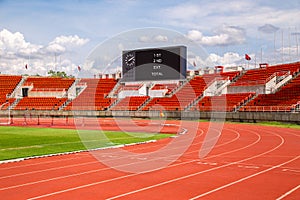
x=61 y=34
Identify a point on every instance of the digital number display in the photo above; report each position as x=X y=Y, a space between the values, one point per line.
x=166 y=63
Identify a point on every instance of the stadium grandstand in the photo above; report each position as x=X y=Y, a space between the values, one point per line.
x=267 y=89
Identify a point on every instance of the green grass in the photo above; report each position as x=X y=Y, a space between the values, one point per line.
x=267 y=123
x=19 y=142
x=263 y=123
x=279 y=124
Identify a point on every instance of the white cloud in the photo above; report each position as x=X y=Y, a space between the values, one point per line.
x=160 y=38
x=155 y=38
x=15 y=52
x=202 y=15
x=55 y=48
x=228 y=59
x=225 y=35
x=144 y=39
x=69 y=41
x=12 y=41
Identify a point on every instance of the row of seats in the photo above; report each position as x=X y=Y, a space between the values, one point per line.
x=94 y=95
x=188 y=93
x=261 y=76
x=7 y=85
x=283 y=100
x=130 y=103
x=40 y=103
x=49 y=83
x=225 y=102
x=169 y=87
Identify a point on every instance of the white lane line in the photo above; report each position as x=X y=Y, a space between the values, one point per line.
x=100 y=182
x=82 y=173
x=243 y=179
x=96 y=183
x=93 y=171
x=195 y=174
x=248 y=166
x=83 y=154
x=89 y=172
x=291 y=170
x=288 y=193
x=51 y=169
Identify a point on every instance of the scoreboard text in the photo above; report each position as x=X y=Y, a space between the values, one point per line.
x=167 y=63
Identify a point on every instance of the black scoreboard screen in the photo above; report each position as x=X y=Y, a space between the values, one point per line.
x=166 y=63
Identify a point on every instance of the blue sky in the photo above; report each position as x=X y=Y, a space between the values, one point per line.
x=44 y=33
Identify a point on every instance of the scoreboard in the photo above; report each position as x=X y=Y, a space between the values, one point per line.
x=165 y=63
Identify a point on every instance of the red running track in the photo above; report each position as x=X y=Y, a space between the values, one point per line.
x=248 y=162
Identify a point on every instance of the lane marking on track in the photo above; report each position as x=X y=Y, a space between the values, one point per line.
x=78 y=174
x=243 y=179
x=291 y=170
x=207 y=163
x=96 y=183
x=198 y=173
x=248 y=166
x=288 y=193
x=45 y=170
x=83 y=154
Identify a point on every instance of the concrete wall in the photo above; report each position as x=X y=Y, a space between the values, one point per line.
x=232 y=116
x=259 y=89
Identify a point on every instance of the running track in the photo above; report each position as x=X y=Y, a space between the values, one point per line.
x=248 y=162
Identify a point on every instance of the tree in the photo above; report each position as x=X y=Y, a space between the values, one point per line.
x=59 y=74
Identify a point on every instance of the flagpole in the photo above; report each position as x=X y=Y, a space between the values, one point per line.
x=261 y=53
x=289 y=32
x=281 y=46
x=274 y=47
x=55 y=62
x=297 y=45
x=255 y=61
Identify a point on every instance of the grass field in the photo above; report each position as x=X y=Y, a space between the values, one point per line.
x=19 y=142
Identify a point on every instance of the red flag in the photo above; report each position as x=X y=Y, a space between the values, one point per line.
x=247 y=57
x=26 y=66
x=79 y=68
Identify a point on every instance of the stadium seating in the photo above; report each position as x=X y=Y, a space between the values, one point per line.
x=40 y=103
x=262 y=75
x=225 y=102
x=230 y=75
x=49 y=83
x=181 y=99
x=7 y=85
x=170 y=87
x=93 y=93
x=94 y=96
x=130 y=103
x=283 y=100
